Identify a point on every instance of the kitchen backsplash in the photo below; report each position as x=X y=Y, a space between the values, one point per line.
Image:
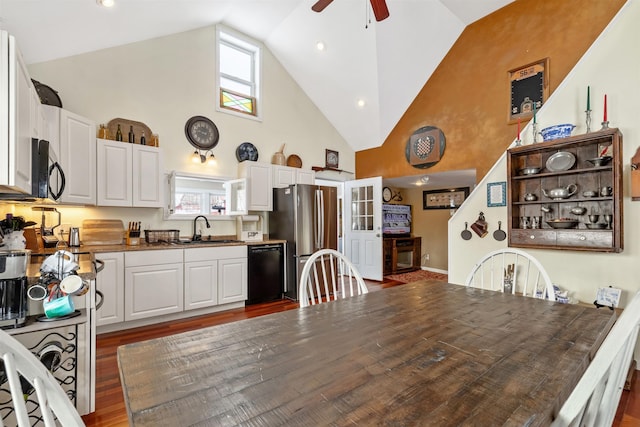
x=150 y=218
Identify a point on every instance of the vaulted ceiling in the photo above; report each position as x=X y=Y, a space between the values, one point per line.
x=384 y=63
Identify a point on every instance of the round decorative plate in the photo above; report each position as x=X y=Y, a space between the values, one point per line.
x=201 y=132
x=294 y=161
x=47 y=95
x=561 y=161
x=425 y=147
x=246 y=151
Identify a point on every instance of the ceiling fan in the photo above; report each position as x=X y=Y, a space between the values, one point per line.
x=379 y=7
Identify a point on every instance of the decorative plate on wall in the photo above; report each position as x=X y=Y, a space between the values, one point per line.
x=246 y=151
x=425 y=147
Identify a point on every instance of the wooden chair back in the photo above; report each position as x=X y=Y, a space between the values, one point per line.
x=594 y=400
x=328 y=275
x=30 y=381
x=513 y=271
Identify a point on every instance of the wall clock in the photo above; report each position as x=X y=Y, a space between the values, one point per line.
x=331 y=159
x=386 y=194
x=201 y=132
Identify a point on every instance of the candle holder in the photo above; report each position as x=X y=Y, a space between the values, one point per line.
x=605 y=125
x=518 y=142
x=588 y=120
x=534 y=128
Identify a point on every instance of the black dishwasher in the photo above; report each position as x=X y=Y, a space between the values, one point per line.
x=266 y=272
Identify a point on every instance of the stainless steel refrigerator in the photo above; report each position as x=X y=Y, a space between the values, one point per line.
x=306 y=216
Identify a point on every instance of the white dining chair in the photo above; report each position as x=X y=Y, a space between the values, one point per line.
x=328 y=275
x=513 y=271
x=595 y=399
x=21 y=369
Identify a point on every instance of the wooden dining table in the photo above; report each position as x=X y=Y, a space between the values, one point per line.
x=424 y=353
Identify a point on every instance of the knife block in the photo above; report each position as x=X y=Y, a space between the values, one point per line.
x=132 y=240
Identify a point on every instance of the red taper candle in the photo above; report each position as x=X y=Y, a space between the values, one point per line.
x=605 y=108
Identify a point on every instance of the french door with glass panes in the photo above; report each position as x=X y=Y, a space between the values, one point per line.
x=363 y=225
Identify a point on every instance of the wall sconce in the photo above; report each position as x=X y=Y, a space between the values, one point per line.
x=198 y=157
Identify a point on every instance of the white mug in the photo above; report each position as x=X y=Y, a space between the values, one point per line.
x=74 y=285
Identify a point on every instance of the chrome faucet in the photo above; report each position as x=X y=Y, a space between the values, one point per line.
x=195 y=220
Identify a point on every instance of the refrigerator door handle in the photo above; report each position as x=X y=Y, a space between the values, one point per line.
x=321 y=221
x=316 y=221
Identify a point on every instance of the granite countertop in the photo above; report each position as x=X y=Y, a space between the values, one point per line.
x=144 y=246
x=85 y=254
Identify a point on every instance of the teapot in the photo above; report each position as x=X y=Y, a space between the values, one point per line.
x=561 y=192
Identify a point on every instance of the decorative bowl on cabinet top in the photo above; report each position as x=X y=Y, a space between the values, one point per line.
x=557 y=131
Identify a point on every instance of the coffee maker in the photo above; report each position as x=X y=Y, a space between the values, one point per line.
x=13 y=288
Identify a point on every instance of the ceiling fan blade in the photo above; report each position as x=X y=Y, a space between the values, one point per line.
x=320 y=5
x=380 y=10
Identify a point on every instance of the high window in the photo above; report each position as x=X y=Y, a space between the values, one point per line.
x=238 y=73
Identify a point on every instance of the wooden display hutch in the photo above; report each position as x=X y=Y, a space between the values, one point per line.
x=585 y=231
x=401 y=254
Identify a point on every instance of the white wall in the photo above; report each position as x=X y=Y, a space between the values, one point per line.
x=611 y=66
x=163 y=82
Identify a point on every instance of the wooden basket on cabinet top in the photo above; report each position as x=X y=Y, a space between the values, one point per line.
x=585 y=175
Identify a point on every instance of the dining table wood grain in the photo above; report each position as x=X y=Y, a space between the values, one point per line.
x=424 y=353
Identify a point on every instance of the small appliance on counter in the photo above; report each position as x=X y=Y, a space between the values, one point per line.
x=13 y=288
x=47 y=233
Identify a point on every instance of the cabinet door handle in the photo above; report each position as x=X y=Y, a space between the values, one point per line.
x=532 y=237
x=582 y=237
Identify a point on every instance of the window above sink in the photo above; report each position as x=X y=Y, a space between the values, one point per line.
x=190 y=195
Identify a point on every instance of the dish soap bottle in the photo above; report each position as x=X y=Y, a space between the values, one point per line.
x=119 y=134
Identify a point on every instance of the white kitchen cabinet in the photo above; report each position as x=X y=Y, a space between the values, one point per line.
x=284 y=176
x=154 y=283
x=215 y=276
x=129 y=174
x=259 y=185
x=110 y=283
x=76 y=137
x=15 y=118
x=232 y=279
x=35 y=115
x=201 y=277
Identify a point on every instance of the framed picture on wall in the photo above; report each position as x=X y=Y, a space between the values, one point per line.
x=496 y=194
x=444 y=199
x=528 y=89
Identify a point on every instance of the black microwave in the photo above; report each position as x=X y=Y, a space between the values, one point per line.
x=47 y=176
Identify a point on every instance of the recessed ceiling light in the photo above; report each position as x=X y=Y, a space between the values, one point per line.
x=105 y=3
x=321 y=46
x=361 y=103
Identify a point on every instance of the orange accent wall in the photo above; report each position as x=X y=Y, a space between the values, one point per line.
x=468 y=94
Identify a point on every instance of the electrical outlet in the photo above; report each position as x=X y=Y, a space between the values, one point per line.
x=426 y=257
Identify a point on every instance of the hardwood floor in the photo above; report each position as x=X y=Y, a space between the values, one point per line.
x=110 y=407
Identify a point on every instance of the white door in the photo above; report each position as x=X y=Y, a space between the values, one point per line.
x=363 y=225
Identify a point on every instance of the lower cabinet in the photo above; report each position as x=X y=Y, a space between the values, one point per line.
x=232 y=274
x=110 y=283
x=144 y=284
x=214 y=276
x=153 y=283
